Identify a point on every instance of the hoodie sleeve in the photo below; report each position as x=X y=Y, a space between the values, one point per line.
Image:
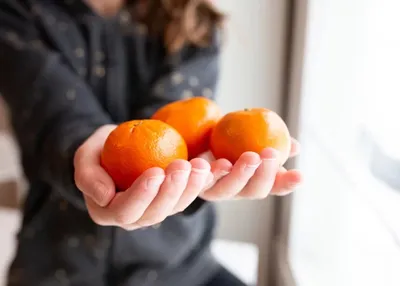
x=52 y=110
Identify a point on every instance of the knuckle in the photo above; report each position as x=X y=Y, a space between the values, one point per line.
x=206 y=197
x=219 y=193
x=79 y=180
x=139 y=224
x=123 y=218
x=82 y=175
x=125 y=227
x=90 y=183
x=85 y=174
x=180 y=208
x=99 y=222
x=79 y=153
x=150 y=221
x=96 y=219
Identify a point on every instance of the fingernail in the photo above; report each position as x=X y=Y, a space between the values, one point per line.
x=273 y=156
x=200 y=171
x=100 y=194
x=272 y=159
x=179 y=176
x=154 y=182
x=252 y=166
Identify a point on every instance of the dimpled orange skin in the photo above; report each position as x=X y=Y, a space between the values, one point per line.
x=194 y=119
x=137 y=145
x=250 y=130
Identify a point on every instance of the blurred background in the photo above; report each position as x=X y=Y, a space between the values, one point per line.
x=330 y=68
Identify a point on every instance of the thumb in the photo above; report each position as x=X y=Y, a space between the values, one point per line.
x=90 y=178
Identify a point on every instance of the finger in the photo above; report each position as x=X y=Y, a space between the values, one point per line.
x=90 y=177
x=177 y=175
x=129 y=206
x=199 y=174
x=295 y=148
x=263 y=180
x=286 y=182
x=208 y=156
x=219 y=169
x=105 y=217
x=99 y=215
x=230 y=185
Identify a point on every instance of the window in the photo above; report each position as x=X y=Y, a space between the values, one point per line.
x=345 y=223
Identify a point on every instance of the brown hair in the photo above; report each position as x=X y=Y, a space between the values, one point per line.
x=180 y=22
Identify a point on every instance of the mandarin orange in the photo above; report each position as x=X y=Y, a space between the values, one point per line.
x=194 y=119
x=250 y=130
x=137 y=145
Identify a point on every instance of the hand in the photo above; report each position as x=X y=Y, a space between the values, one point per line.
x=155 y=195
x=254 y=176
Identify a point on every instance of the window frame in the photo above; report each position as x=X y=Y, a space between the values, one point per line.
x=279 y=270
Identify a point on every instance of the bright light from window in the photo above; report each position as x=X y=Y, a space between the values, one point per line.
x=345 y=227
x=383 y=82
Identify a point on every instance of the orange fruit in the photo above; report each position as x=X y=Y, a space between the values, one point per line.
x=194 y=119
x=137 y=145
x=250 y=130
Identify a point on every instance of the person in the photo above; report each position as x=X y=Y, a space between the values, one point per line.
x=70 y=72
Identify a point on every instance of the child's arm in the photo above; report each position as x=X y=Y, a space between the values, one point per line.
x=52 y=110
